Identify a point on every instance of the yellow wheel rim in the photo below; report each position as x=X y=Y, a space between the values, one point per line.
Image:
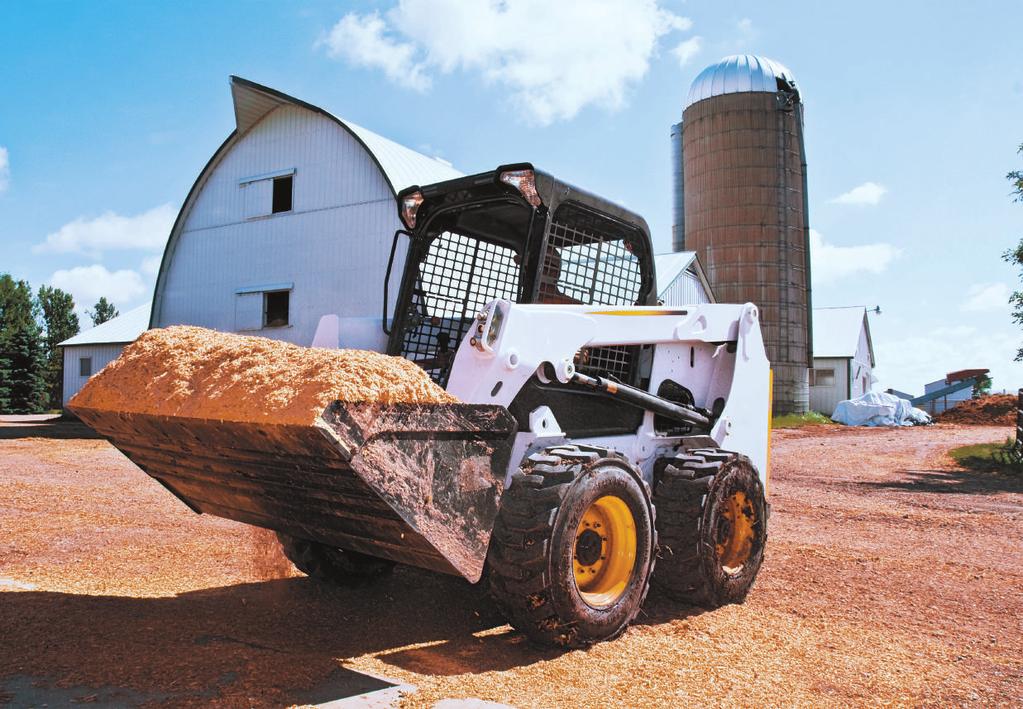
x=736 y=532
x=605 y=551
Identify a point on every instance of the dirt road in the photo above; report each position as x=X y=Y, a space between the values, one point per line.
x=891 y=578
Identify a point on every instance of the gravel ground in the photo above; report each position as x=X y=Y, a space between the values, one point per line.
x=892 y=578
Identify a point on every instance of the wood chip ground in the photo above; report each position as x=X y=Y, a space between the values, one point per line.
x=892 y=579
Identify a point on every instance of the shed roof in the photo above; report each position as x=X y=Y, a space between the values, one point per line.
x=740 y=73
x=671 y=265
x=836 y=332
x=123 y=328
x=403 y=167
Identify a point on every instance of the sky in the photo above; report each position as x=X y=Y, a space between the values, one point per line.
x=914 y=114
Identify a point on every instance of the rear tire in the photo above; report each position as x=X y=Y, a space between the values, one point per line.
x=712 y=526
x=572 y=550
x=333 y=565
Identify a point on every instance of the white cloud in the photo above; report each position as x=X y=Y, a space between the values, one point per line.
x=553 y=59
x=87 y=283
x=5 y=169
x=150 y=265
x=365 y=40
x=868 y=193
x=111 y=231
x=745 y=26
x=986 y=296
x=907 y=363
x=685 y=51
x=829 y=263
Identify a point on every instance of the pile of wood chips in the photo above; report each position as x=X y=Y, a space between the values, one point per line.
x=994 y=410
x=199 y=373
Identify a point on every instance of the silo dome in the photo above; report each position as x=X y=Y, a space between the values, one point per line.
x=741 y=73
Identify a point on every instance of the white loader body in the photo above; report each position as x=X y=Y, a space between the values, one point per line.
x=715 y=351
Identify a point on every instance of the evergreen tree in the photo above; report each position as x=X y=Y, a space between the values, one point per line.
x=102 y=311
x=22 y=359
x=61 y=322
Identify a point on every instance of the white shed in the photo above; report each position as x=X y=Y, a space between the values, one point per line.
x=88 y=352
x=843 y=357
x=291 y=220
x=681 y=280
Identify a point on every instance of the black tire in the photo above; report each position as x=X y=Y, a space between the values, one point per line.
x=707 y=558
x=336 y=566
x=539 y=539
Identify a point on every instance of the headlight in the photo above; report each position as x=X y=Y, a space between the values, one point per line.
x=409 y=206
x=525 y=182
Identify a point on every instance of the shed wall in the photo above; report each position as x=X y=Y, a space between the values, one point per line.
x=686 y=289
x=862 y=371
x=102 y=355
x=825 y=398
x=332 y=246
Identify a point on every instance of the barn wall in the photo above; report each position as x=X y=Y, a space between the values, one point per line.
x=825 y=398
x=332 y=246
x=686 y=289
x=102 y=355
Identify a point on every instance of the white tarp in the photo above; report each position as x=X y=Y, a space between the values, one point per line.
x=879 y=409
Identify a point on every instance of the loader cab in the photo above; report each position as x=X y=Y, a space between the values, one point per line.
x=519 y=234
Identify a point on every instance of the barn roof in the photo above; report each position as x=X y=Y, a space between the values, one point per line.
x=836 y=332
x=403 y=167
x=671 y=265
x=123 y=328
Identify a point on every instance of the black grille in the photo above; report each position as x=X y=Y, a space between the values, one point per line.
x=584 y=267
x=459 y=276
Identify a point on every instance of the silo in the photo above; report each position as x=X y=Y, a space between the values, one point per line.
x=678 y=205
x=743 y=189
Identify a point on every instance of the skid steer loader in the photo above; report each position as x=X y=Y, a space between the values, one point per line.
x=599 y=434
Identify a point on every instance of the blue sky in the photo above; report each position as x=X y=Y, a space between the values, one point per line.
x=109 y=110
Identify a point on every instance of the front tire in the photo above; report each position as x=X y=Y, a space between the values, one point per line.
x=712 y=526
x=333 y=565
x=572 y=550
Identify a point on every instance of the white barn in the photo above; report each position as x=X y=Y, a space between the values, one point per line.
x=843 y=357
x=291 y=220
x=681 y=280
x=88 y=352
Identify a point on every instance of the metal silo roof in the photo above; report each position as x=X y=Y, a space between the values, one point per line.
x=739 y=73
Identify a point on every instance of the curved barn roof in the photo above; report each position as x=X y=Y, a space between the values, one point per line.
x=740 y=73
x=401 y=166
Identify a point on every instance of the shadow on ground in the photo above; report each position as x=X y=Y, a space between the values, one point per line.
x=271 y=642
x=64 y=429
x=961 y=481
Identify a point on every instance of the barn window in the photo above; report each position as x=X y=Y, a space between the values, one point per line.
x=282 y=194
x=269 y=193
x=822 y=377
x=85 y=366
x=275 y=308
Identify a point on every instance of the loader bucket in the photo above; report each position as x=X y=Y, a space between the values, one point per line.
x=415 y=483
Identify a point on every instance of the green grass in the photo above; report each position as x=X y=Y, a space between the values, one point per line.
x=811 y=418
x=983 y=457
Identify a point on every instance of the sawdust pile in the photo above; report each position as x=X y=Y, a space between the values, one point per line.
x=997 y=409
x=200 y=373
